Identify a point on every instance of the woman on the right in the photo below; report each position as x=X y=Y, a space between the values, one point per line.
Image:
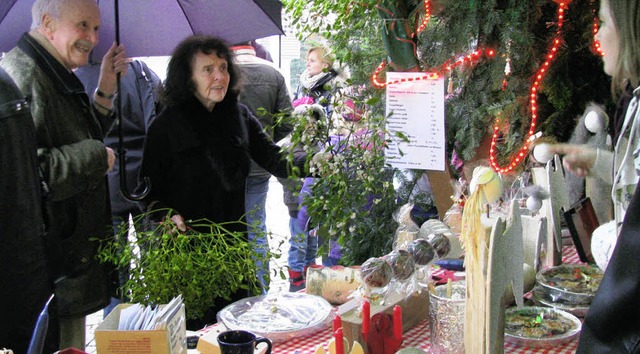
x=619 y=37
x=611 y=324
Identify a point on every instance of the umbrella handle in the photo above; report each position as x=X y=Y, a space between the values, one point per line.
x=123 y=181
x=122 y=152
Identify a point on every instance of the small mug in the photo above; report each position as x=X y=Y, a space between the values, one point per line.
x=241 y=342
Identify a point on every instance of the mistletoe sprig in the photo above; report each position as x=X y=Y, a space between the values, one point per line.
x=201 y=265
x=353 y=198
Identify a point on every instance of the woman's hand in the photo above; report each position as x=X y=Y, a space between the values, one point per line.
x=318 y=162
x=178 y=224
x=577 y=159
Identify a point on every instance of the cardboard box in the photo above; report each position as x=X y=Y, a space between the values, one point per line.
x=172 y=340
x=415 y=309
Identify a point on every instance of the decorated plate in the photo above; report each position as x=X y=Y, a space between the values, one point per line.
x=573 y=284
x=539 y=327
x=278 y=317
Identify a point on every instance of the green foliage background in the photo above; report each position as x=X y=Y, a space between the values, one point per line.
x=524 y=29
x=519 y=30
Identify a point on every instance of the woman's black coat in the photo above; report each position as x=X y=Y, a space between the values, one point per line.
x=198 y=161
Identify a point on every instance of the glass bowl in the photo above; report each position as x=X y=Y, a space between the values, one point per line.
x=571 y=284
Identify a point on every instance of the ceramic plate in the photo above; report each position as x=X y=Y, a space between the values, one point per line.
x=539 y=327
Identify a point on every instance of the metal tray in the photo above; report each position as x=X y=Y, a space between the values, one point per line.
x=545 y=342
x=541 y=298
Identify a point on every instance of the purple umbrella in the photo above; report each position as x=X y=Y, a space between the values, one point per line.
x=155 y=27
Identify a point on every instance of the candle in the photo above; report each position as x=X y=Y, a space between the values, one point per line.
x=337 y=323
x=339 y=341
x=366 y=317
x=449 y=288
x=397 y=322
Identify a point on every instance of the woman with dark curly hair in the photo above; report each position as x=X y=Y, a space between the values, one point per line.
x=198 y=150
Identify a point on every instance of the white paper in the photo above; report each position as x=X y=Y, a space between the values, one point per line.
x=137 y=324
x=149 y=317
x=416 y=109
x=161 y=317
x=128 y=316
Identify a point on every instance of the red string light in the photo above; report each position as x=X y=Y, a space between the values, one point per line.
x=441 y=70
x=596 y=45
x=426 y=18
x=533 y=104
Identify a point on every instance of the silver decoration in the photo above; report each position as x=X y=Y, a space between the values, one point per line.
x=446 y=319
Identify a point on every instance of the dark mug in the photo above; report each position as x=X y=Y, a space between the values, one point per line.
x=241 y=342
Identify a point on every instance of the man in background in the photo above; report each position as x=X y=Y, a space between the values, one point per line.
x=265 y=94
x=139 y=89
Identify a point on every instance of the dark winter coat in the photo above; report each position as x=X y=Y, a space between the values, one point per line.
x=25 y=282
x=198 y=161
x=611 y=324
x=74 y=164
x=265 y=89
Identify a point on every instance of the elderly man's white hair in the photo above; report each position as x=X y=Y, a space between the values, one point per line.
x=51 y=7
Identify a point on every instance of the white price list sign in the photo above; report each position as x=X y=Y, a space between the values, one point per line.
x=416 y=109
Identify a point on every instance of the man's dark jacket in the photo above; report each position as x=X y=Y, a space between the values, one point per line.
x=25 y=284
x=73 y=161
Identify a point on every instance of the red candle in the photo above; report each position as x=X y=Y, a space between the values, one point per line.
x=339 y=341
x=337 y=323
x=397 y=322
x=366 y=317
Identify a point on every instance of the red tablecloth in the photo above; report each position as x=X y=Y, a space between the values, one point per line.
x=419 y=336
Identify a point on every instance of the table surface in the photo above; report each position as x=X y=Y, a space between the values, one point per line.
x=417 y=336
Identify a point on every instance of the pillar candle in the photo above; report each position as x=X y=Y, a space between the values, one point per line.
x=366 y=316
x=337 y=322
x=397 y=322
x=339 y=341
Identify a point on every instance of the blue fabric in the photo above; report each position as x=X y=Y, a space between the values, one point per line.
x=302 y=247
x=256 y=191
